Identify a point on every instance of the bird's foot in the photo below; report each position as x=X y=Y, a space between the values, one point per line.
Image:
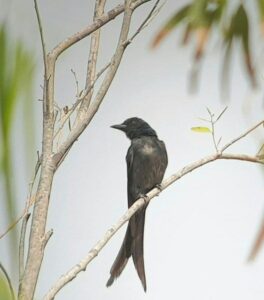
x=159 y=187
x=145 y=198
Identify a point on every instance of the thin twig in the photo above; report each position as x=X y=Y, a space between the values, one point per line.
x=41 y=36
x=212 y=121
x=92 y=60
x=80 y=99
x=154 y=11
x=242 y=135
x=30 y=200
x=221 y=114
x=47 y=236
x=8 y=281
x=104 y=19
x=76 y=82
x=22 y=246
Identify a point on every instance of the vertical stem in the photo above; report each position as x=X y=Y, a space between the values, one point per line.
x=37 y=234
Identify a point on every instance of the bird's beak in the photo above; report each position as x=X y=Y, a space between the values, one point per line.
x=119 y=126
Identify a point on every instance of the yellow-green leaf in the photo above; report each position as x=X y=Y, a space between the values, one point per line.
x=201 y=129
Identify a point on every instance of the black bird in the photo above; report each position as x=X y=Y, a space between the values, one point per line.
x=146 y=163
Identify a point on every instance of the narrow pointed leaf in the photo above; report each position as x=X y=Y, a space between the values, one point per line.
x=201 y=129
x=173 y=22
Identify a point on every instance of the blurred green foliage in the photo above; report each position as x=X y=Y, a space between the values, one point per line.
x=16 y=78
x=233 y=23
x=6 y=289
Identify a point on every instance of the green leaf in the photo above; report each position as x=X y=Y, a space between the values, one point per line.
x=239 y=30
x=16 y=74
x=201 y=129
x=172 y=23
x=6 y=287
x=204 y=13
x=4 y=290
x=261 y=8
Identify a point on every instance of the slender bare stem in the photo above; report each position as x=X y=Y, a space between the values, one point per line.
x=92 y=61
x=105 y=18
x=79 y=100
x=22 y=246
x=242 y=135
x=36 y=250
x=153 y=12
x=41 y=35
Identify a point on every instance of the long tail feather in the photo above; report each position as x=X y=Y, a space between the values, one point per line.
x=138 y=245
x=121 y=259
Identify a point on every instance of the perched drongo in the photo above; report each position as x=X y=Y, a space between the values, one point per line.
x=146 y=163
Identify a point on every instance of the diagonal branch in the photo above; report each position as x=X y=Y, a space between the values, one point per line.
x=105 y=18
x=22 y=246
x=242 y=136
x=41 y=36
x=79 y=100
x=92 y=61
x=82 y=265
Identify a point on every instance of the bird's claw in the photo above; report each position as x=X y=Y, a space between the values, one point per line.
x=159 y=187
x=145 y=198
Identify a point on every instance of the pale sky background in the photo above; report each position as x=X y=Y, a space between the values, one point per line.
x=199 y=231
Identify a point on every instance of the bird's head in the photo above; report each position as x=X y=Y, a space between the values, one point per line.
x=135 y=128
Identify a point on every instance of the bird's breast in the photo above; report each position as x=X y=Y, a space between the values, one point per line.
x=147 y=149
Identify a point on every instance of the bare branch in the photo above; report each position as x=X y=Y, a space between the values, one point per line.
x=76 y=82
x=79 y=100
x=47 y=237
x=41 y=36
x=35 y=250
x=242 y=136
x=221 y=114
x=23 y=214
x=153 y=12
x=105 y=18
x=22 y=246
x=92 y=61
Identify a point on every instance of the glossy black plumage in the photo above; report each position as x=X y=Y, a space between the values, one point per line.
x=146 y=163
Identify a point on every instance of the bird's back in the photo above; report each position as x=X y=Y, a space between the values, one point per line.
x=146 y=163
